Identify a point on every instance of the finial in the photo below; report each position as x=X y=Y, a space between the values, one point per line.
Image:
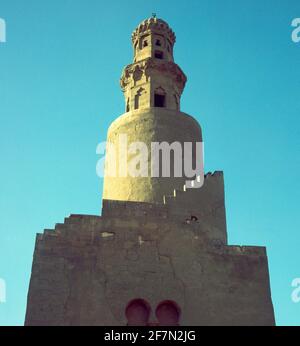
x=153 y=15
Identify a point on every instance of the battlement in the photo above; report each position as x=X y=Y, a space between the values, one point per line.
x=205 y=204
x=153 y=24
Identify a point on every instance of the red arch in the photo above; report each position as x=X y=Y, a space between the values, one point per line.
x=168 y=313
x=137 y=312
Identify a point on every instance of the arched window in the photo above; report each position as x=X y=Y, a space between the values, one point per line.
x=159 y=98
x=143 y=42
x=159 y=54
x=158 y=43
x=137 y=98
x=137 y=313
x=168 y=313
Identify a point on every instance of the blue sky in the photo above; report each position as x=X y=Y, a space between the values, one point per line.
x=59 y=91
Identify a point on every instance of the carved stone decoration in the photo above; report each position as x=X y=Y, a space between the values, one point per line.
x=154 y=24
x=137 y=73
x=151 y=66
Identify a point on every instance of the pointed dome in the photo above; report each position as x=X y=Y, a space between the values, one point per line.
x=154 y=24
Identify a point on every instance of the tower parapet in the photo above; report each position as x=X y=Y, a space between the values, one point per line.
x=153 y=37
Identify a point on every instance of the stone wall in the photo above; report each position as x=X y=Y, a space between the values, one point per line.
x=89 y=268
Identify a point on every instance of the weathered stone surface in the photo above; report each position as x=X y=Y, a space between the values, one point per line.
x=80 y=277
x=148 y=125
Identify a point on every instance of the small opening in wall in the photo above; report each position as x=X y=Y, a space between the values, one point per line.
x=159 y=55
x=158 y=43
x=136 y=101
x=145 y=43
x=159 y=100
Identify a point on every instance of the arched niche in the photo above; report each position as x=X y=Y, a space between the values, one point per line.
x=168 y=313
x=137 y=312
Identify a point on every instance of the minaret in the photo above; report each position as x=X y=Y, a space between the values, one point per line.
x=165 y=262
x=153 y=80
x=152 y=87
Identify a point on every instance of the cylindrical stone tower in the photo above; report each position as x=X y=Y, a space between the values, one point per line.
x=152 y=87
